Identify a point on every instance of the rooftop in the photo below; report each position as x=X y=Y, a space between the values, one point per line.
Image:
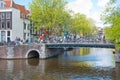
x=11 y=3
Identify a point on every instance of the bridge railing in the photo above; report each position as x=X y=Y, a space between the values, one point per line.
x=59 y=41
x=77 y=45
x=78 y=40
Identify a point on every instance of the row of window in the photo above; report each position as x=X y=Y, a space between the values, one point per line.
x=26 y=26
x=5 y=24
x=24 y=16
x=5 y=15
x=7 y=34
x=3 y=35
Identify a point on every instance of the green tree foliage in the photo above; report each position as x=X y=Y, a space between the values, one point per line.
x=47 y=13
x=111 y=16
x=81 y=24
x=63 y=22
x=52 y=15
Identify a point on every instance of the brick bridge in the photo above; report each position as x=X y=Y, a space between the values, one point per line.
x=28 y=51
x=46 y=50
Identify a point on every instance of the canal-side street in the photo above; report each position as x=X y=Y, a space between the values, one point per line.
x=77 y=64
x=59 y=39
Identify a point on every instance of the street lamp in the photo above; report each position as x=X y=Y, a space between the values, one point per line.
x=66 y=30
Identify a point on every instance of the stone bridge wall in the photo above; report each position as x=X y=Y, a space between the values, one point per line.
x=22 y=51
x=117 y=55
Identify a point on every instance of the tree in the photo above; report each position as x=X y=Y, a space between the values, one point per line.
x=47 y=14
x=52 y=15
x=111 y=16
x=81 y=25
x=93 y=28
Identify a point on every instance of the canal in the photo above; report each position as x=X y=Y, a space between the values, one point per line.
x=77 y=64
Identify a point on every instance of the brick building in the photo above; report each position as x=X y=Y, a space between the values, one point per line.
x=14 y=21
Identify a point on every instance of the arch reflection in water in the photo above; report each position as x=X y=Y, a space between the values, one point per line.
x=33 y=62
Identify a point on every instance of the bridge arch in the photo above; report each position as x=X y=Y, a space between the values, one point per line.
x=33 y=53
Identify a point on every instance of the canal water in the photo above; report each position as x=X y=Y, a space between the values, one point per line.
x=76 y=64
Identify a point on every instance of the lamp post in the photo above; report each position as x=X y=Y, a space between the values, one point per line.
x=66 y=29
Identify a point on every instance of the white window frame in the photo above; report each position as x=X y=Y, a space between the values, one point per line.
x=2 y=4
x=8 y=15
x=2 y=25
x=2 y=15
x=7 y=24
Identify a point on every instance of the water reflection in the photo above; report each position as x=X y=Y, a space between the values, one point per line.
x=33 y=62
x=96 y=57
x=95 y=64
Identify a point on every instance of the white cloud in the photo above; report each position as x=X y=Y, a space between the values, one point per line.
x=80 y=6
x=102 y=3
x=96 y=17
x=89 y=8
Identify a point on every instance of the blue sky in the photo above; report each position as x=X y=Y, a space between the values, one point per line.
x=23 y=2
x=91 y=8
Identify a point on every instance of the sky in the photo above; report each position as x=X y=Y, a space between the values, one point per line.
x=91 y=8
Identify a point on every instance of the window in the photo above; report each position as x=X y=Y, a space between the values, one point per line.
x=24 y=36
x=8 y=33
x=8 y=15
x=2 y=15
x=8 y=39
x=8 y=24
x=3 y=36
x=3 y=24
x=28 y=28
x=22 y=15
x=24 y=25
x=8 y=36
x=28 y=34
x=0 y=24
x=2 y=5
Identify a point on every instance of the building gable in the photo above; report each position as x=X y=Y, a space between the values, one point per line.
x=10 y=3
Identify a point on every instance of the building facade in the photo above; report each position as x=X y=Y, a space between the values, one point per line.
x=14 y=21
